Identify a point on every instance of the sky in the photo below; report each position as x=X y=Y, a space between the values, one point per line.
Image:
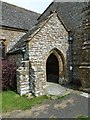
x=35 y=5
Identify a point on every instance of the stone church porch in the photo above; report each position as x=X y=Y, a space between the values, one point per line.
x=46 y=51
x=41 y=83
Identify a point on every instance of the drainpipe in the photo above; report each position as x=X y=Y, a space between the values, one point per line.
x=70 y=40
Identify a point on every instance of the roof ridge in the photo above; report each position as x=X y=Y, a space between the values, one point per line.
x=19 y=7
x=17 y=17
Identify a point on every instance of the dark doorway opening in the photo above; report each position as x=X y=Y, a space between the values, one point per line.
x=52 y=69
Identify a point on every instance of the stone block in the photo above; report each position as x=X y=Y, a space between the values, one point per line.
x=23 y=80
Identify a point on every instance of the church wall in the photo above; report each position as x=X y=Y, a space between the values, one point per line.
x=11 y=36
x=81 y=51
x=76 y=16
x=17 y=58
x=51 y=38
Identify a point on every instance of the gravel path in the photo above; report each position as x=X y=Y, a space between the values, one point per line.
x=71 y=106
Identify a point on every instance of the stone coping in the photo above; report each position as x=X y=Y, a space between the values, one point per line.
x=84 y=67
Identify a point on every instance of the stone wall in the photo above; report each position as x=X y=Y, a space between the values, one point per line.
x=17 y=58
x=11 y=36
x=23 y=79
x=50 y=37
x=76 y=16
x=81 y=49
x=85 y=51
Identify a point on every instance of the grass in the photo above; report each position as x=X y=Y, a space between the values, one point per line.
x=12 y=101
x=0 y=102
x=83 y=118
x=53 y=97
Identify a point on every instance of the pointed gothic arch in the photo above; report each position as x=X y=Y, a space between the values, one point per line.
x=55 y=66
x=52 y=69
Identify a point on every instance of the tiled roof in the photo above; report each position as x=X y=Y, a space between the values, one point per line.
x=16 y=17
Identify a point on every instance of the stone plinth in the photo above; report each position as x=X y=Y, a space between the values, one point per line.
x=23 y=80
x=85 y=76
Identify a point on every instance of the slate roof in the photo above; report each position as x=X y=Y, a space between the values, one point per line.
x=16 y=17
x=21 y=43
x=70 y=12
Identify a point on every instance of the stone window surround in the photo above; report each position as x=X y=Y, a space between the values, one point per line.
x=4 y=42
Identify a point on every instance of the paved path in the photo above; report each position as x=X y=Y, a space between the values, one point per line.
x=71 y=106
x=55 y=89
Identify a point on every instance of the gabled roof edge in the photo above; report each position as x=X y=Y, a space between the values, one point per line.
x=44 y=11
x=63 y=23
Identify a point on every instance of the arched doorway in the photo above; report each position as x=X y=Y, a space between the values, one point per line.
x=52 y=69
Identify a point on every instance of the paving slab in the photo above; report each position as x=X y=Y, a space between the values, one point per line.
x=55 y=89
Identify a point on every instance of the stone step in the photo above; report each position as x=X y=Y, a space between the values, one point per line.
x=55 y=89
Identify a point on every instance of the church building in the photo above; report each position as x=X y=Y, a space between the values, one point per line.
x=51 y=47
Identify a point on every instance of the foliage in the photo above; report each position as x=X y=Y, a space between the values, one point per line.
x=8 y=74
x=12 y=101
x=0 y=102
x=83 y=118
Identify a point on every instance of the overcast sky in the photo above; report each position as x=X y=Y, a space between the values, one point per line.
x=34 y=5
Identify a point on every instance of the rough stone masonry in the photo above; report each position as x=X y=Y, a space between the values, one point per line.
x=50 y=37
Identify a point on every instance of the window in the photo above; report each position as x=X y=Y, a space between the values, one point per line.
x=2 y=49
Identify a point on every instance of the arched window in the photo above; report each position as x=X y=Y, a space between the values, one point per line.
x=2 y=49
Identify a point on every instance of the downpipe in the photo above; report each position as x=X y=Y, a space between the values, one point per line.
x=70 y=40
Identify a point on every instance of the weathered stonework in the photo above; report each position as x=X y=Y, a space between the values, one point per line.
x=23 y=79
x=17 y=58
x=50 y=37
x=85 y=65
x=76 y=16
x=11 y=36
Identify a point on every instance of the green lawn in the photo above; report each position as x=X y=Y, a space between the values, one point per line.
x=12 y=101
x=0 y=102
x=83 y=118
